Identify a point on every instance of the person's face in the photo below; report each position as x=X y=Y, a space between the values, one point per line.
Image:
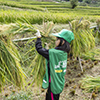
x=57 y=42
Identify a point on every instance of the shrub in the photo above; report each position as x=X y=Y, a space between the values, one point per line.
x=74 y=3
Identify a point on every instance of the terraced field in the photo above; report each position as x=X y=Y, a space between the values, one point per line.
x=37 y=12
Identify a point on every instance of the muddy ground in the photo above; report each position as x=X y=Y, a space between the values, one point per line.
x=72 y=90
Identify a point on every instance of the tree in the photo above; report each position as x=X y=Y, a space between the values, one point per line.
x=74 y=3
x=80 y=0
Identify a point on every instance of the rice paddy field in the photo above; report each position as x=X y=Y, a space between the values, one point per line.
x=37 y=12
x=22 y=68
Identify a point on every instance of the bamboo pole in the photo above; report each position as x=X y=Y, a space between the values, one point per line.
x=80 y=63
x=24 y=39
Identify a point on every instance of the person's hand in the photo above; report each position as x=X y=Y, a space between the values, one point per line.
x=38 y=35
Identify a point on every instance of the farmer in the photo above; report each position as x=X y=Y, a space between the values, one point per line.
x=56 y=63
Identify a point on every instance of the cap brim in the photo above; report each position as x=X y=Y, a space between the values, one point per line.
x=56 y=34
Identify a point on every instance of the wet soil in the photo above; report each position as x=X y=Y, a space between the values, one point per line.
x=72 y=90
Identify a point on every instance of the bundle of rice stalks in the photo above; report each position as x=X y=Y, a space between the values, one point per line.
x=10 y=68
x=98 y=30
x=98 y=24
x=93 y=54
x=38 y=62
x=20 y=28
x=4 y=29
x=84 y=40
x=81 y=43
x=91 y=84
x=83 y=25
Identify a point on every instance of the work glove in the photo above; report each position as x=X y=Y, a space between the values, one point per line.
x=47 y=45
x=38 y=35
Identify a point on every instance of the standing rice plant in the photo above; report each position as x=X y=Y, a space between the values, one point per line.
x=63 y=16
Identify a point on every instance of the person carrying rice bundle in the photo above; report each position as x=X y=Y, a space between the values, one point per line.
x=56 y=62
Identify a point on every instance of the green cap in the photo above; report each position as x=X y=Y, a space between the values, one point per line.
x=65 y=34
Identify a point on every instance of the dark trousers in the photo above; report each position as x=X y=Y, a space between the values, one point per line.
x=51 y=96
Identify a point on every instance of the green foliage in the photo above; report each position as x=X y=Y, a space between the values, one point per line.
x=74 y=3
x=19 y=96
x=80 y=0
x=87 y=1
